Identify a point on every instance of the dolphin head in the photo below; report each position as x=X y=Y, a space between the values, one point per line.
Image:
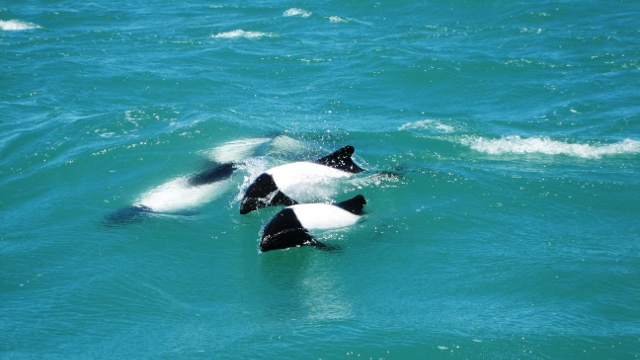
x=263 y=192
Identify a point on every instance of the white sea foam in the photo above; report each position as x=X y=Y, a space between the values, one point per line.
x=296 y=12
x=17 y=25
x=428 y=124
x=234 y=34
x=548 y=146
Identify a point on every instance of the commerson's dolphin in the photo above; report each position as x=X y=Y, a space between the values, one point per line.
x=281 y=184
x=290 y=227
x=183 y=194
x=177 y=196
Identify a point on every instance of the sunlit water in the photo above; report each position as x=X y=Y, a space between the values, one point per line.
x=503 y=185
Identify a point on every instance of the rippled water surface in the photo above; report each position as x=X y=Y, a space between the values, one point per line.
x=503 y=184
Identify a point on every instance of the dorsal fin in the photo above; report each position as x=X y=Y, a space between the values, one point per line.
x=341 y=160
x=353 y=205
x=285 y=231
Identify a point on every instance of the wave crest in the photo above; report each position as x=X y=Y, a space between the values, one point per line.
x=547 y=146
x=297 y=12
x=234 y=34
x=17 y=25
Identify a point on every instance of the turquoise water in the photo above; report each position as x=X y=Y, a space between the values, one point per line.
x=502 y=141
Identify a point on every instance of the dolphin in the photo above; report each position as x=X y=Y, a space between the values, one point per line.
x=176 y=196
x=290 y=227
x=276 y=185
x=184 y=193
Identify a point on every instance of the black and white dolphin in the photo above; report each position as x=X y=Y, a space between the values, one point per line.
x=183 y=194
x=290 y=227
x=177 y=196
x=281 y=184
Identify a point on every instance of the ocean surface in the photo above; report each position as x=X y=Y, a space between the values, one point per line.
x=501 y=141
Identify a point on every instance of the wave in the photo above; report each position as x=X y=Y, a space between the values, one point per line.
x=234 y=34
x=297 y=12
x=547 y=146
x=17 y=25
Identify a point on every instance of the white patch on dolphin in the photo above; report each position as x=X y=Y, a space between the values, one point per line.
x=179 y=195
x=323 y=216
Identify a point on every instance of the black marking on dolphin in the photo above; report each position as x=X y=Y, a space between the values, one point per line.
x=264 y=191
x=341 y=160
x=353 y=205
x=212 y=175
x=286 y=231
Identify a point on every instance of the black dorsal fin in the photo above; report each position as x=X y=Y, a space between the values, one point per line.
x=353 y=205
x=341 y=160
x=285 y=231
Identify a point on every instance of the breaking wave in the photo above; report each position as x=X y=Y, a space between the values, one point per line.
x=234 y=34
x=297 y=12
x=547 y=146
x=17 y=25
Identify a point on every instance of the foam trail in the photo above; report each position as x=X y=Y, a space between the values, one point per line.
x=17 y=25
x=547 y=146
